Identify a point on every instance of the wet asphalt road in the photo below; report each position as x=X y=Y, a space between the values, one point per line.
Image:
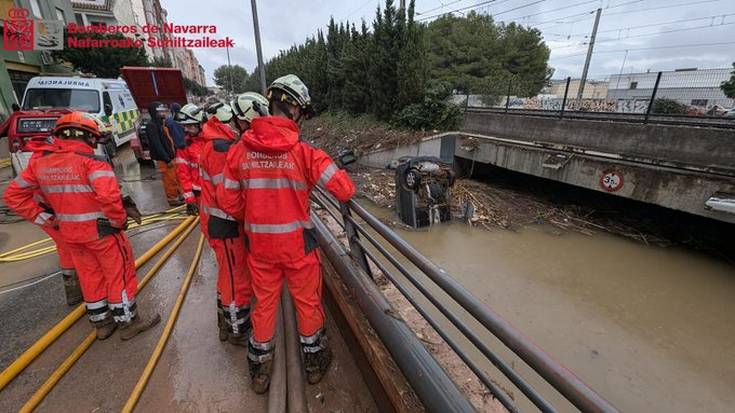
x=196 y=373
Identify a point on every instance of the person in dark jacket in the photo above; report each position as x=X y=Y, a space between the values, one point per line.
x=163 y=151
x=176 y=130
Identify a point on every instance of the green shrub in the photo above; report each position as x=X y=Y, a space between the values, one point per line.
x=430 y=114
x=669 y=107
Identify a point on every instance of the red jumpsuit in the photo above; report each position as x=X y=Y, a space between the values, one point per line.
x=223 y=233
x=268 y=179
x=84 y=195
x=38 y=147
x=187 y=168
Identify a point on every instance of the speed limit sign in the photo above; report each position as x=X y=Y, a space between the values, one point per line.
x=611 y=180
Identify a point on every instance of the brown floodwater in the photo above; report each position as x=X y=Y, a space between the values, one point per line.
x=651 y=329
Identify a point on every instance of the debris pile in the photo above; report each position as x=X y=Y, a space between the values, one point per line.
x=499 y=206
x=333 y=132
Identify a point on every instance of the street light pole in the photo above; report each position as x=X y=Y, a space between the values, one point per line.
x=258 y=48
x=229 y=68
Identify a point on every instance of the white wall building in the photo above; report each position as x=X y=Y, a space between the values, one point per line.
x=691 y=87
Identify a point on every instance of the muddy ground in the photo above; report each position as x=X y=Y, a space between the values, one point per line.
x=196 y=373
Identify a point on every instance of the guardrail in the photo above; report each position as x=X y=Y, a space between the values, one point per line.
x=380 y=235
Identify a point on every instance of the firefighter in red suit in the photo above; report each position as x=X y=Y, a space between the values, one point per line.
x=268 y=178
x=86 y=208
x=71 y=282
x=191 y=118
x=225 y=236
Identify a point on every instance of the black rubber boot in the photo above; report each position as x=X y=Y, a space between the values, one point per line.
x=138 y=325
x=317 y=356
x=72 y=289
x=260 y=364
x=224 y=329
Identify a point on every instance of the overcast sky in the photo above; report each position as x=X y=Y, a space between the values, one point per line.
x=564 y=24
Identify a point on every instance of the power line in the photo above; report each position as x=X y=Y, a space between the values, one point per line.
x=670 y=6
x=669 y=31
x=558 y=9
x=482 y=3
x=621 y=29
x=587 y=14
x=439 y=7
x=518 y=8
x=680 y=46
x=357 y=9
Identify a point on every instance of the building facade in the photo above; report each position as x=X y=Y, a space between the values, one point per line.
x=18 y=67
x=593 y=89
x=692 y=87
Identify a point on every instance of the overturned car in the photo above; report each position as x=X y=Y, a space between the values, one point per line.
x=423 y=191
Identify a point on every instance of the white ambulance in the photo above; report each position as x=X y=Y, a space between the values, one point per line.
x=109 y=99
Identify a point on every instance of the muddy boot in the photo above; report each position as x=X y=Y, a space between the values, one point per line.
x=260 y=364
x=104 y=328
x=239 y=325
x=138 y=325
x=224 y=331
x=317 y=356
x=72 y=289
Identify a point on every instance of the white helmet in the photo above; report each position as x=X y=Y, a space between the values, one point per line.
x=221 y=111
x=249 y=106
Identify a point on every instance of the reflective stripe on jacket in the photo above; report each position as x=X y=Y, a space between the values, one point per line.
x=77 y=186
x=217 y=141
x=187 y=168
x=267 y=182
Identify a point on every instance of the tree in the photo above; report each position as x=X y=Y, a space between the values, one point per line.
x=103 y=62
x=728 y=88
x=195 y=88
x=475 y=55
x=412 y=63
x=232 y=78
x=356 y=61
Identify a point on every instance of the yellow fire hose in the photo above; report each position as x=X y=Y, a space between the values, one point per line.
x=60 y=371
x=47 y=339
x=16 y=254
x=153 y=361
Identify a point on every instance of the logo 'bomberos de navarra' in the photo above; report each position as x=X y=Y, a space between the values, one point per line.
x=18 y=30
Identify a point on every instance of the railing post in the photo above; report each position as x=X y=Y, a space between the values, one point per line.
x=653 y=97
x=507 y=98
x=564 y=101
x=356 y=252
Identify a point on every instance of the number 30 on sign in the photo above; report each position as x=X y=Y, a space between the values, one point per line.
x=611 y=180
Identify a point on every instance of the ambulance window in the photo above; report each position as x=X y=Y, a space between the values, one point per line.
x=106 y=101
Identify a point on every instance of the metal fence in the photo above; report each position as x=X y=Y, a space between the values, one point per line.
x=677 y=96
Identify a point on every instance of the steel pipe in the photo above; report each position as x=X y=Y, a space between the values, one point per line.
x=430 y=382
x=570 y=386
x=504 y=368
x=294 y=370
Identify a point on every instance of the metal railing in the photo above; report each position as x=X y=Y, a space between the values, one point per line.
x=685 y=97
x=380 y=236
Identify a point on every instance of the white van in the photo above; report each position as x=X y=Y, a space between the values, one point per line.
x=110 y=99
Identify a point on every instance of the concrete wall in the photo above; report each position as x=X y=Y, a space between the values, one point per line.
x=707 y=149
x=668 y=187
x=430 y=146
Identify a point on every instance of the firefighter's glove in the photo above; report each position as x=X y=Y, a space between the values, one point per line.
x=192 y=209
x=131 y=209
x=105 y=227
